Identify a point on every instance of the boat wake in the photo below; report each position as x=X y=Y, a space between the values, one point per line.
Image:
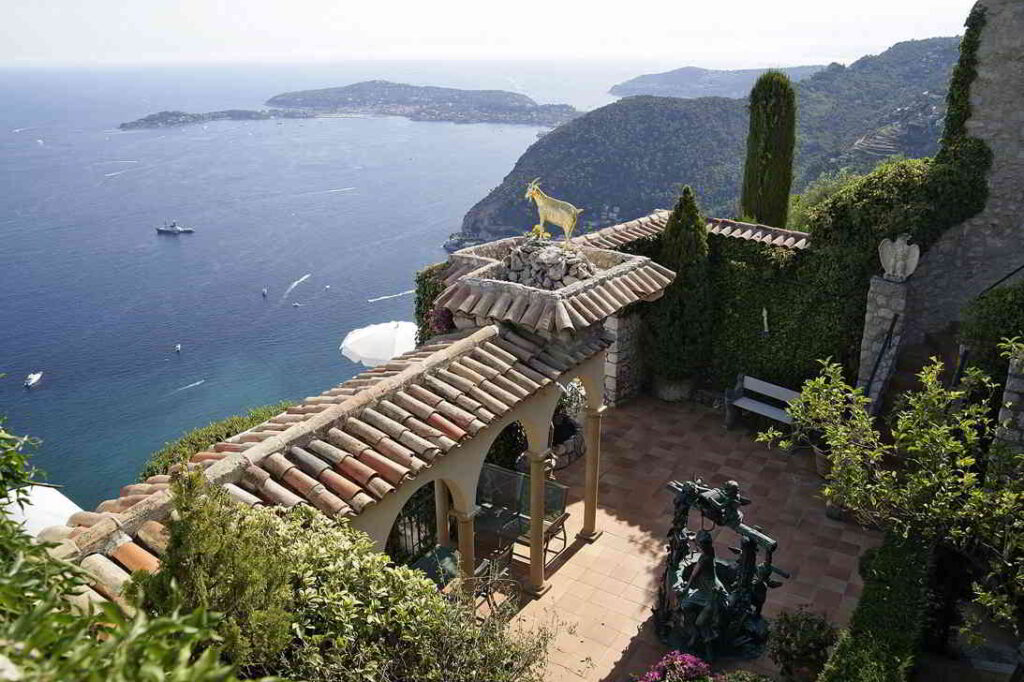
x=110 y=175
x=185 y=388
x=294 y=284
x=384 y=298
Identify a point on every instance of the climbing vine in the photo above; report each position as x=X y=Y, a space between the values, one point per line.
x=429 y=285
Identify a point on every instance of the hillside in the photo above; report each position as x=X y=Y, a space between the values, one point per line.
x=427 y=103
x=633 y=154
x=622 y=160
x=692 y=81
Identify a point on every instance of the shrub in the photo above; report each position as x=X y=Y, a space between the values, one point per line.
x=199 y=439
x=986 y=322
x=429 y=285
x=800 y=641
x=42 y=637
x=768 y=172
x=821 y=189
x=885 y=630
x=350 y=614
x=678 y=322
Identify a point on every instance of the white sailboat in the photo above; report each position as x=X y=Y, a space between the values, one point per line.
x=33 y=379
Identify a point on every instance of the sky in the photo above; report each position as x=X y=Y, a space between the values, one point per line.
x=710 y=33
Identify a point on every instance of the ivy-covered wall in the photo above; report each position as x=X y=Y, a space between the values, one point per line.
x=815 y=309
x=429 y=285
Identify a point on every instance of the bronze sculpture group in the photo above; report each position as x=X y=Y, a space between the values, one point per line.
x=708 y=606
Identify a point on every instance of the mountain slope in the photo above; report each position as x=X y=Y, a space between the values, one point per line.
x=620 y=161
x=692 y=81
x=634 y=154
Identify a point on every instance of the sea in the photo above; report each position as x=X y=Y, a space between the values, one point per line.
x=333 y=214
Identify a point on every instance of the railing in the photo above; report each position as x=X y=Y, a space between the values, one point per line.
x=878 y=361
x=1001 y=280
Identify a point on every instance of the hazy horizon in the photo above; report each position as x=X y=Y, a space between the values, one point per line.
x=743 y=34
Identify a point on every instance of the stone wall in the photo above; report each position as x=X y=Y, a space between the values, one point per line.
x=978 y=253
x=1011 y=416
x=886 y=301
x=623 y=367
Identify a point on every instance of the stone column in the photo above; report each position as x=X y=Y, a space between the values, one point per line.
x=441 y=509
x=536 y=585
x=1011 y=415
x=886 y=301
x=623 y=362
x=593 y=474
x=467 y=542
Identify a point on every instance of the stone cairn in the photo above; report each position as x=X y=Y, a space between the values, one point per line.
x=545 y=265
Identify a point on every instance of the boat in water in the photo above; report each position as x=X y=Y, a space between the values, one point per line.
x=33 y=379
x=174 y=228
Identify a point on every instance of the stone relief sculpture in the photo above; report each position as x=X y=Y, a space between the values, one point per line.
x=899 y=258
x=551 y=210
x=708 y=606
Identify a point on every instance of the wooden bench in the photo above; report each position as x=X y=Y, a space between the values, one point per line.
x=748 y=395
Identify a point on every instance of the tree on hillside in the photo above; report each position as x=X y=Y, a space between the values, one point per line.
x=768 y=172
x=677 y=323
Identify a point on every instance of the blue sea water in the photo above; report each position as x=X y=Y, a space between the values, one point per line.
x=93 y=297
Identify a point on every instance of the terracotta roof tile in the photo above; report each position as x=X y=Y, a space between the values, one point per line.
x=366 y=444
x=135 y=558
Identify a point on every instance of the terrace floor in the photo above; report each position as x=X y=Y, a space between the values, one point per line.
x=602 y=593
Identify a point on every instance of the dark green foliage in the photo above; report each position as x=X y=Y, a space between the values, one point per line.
x=816 y=193
x=507 y=447
x=885 y=630
x=679 y=323
x=331 y=607
x=199 y=439
x=988 y=320
x=800 y=640
x=958 y=103
x=429 y=285
x=815 y=304
x=768 y=171
x=43 y=638
x=217 y=560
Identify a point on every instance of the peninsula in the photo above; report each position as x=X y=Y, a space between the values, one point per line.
x=427 y=103
x=171 y=119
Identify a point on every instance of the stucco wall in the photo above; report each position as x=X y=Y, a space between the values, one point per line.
x=978 y=253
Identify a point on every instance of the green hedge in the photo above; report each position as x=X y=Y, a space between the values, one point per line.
x=886 y=628
x=199 y=439
x=987 y=321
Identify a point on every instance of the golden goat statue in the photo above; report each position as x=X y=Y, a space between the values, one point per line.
x=551 y=210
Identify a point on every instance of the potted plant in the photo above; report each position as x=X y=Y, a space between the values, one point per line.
x=799 y=643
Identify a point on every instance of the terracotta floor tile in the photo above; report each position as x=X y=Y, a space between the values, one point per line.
x=604 y=591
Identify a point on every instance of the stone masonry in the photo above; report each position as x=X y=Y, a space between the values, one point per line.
x=1011 y=416
x=978 y=253
x=623 y=368
x=886 y=301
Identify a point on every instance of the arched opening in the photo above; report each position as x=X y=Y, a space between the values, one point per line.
x=568 y=441
x=414 y=533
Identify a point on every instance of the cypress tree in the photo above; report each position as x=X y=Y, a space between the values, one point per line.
x=768 y=172
x=678 y=324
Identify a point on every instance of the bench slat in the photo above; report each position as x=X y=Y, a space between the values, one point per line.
x=764 y=409
x=764 y=388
